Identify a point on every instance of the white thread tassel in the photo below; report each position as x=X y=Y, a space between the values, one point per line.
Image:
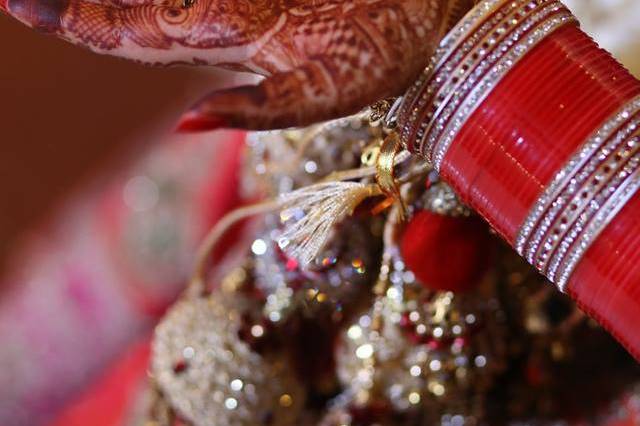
x=309 y=215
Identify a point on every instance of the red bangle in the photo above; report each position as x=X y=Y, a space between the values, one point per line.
x=538 y=129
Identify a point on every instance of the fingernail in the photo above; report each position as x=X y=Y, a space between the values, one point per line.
x=42 y=15
x=192 y=122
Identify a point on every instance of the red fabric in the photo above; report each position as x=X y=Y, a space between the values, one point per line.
x=108 y=400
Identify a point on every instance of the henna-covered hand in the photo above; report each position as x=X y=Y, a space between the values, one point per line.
x=321 y=58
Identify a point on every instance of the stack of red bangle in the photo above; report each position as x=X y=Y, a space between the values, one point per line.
x=538 y=129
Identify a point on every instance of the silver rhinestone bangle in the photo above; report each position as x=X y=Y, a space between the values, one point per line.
x=472 y=59
x=584 y=196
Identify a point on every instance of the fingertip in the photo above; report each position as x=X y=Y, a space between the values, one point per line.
x=193 y=122
x=41 y=15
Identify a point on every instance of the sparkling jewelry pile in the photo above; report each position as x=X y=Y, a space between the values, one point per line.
x=363 y=333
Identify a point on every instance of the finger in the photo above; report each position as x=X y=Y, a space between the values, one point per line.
x=101 y=27
x=354 y=62
x=283 y=100
x=149 y=33
x=316 y=91
x=44 y=16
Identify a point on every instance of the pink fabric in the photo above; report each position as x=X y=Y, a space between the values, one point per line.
x=79 y=295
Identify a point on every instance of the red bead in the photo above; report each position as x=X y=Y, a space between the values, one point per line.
x=534 y=375
x=292 y=264
x=446 y=253
x=180 y=366
x=434 y=344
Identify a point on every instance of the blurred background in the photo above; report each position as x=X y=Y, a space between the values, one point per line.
x=102 y=209
x=103 y=206
x=69 y=115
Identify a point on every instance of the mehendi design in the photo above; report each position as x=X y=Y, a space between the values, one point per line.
x=322 y=58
